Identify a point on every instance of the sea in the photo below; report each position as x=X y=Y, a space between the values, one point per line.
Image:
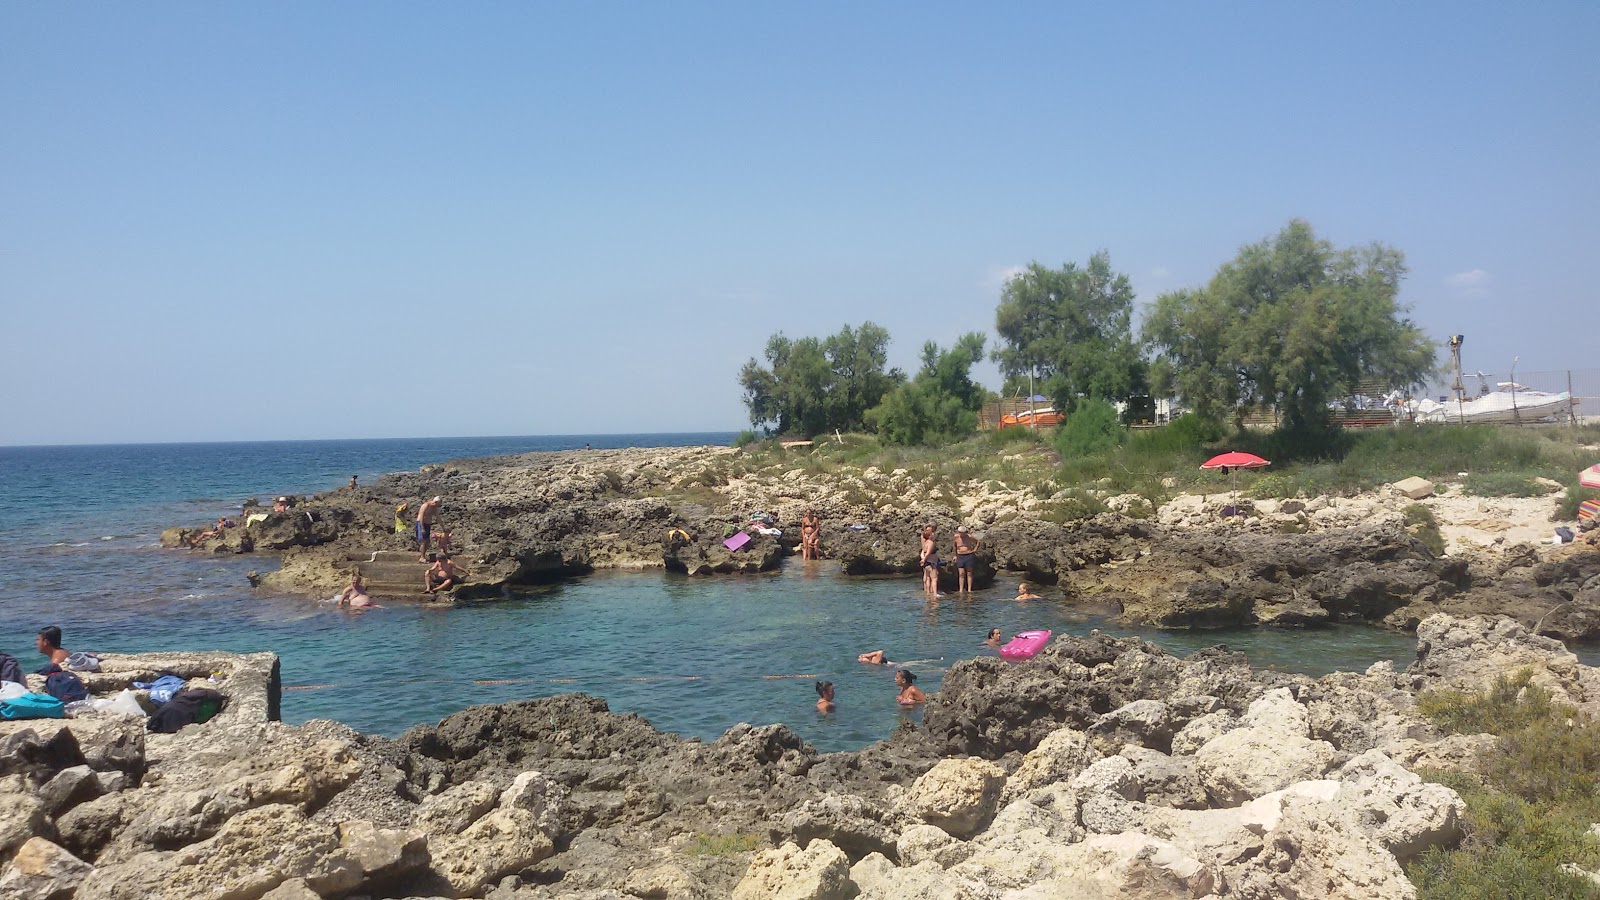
x=79 y=549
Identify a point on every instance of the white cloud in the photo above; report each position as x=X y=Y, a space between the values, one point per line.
x=997 y=276
x=1472 y=280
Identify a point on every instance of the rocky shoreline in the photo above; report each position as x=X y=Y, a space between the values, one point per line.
x=534 y=518
x=1101 y=768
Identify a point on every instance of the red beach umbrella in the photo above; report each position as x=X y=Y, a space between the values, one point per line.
x=1590 y=477
x=1233 y=462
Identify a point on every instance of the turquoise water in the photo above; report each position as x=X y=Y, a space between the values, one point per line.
x=78 y=529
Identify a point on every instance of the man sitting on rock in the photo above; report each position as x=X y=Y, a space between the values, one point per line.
x=50 y=644
x=443 y=574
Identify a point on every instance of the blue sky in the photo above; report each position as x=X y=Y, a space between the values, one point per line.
x=242 y=221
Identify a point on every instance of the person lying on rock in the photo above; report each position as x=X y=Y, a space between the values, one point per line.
x=825 y=702
x=910 y=694
x=443 y=574
x=1025 y=592
x=873 y=658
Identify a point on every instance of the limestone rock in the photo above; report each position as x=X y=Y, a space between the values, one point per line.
x=1129 y=866
x=68 y=788
x=664 y=882
x=455 y=809
x=41 y=870
x=1058 y=758
x=1194 y=735
x=957 y=795
x=384 y=854
x=542 y=796
x=1468 y=654
x=1414 y=488
x=1145 y=722
x=1268 y=752
x=293 y=889
x=501 y=843
x=819 y=872
x=1113 y=775
x=858 y=827
x=1166 y=780
x=1404 y=813
x=22 y=814
x=879 y=879
x=1316 y=852
x=927 y=842
x=255 y=851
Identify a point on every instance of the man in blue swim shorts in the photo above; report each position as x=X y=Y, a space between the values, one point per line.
x=425 y=516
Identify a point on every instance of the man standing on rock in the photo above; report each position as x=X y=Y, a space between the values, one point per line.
x=966 y=547
x=426 y=513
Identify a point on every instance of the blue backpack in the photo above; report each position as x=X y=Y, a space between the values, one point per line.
x=32 y=706
x=66 y=687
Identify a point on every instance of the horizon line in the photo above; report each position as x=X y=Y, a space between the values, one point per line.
x=442 y=437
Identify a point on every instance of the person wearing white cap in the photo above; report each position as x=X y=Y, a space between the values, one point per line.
x=966 y=546
x=425 y=516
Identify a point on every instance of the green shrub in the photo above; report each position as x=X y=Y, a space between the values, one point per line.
x=1531 y=803
x=1503 y=484
x=1420 y=521
x=1576 y=494
x=1092 y=428
x=745 y=438
x=1016 y=434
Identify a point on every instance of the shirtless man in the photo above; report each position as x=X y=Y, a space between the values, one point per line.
x=966 y=546
x=50 y=644
x=810 y=535
x=1025 y=592
x=444 y=573
x=355 y=594
x=426 y=513
x=928 y=559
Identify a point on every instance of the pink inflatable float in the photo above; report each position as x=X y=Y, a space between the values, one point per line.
x=1025 y=644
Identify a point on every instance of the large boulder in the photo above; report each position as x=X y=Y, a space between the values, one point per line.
x=1404 y=813
x=957 y=795
x=253 y=853
x=1058 y=758
x=501 y=843
x=1268 y=752
x=41 y=870
x=821 y=871
x=1469 y=654
x=22 y=813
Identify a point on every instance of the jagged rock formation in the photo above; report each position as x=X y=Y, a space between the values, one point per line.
x=1102 y=768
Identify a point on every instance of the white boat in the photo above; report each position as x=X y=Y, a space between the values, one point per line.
x=1512 y=403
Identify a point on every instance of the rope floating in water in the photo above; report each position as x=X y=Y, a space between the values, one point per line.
x=505 y=681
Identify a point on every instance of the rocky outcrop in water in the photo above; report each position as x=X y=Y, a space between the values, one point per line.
x=1102 y=767
x=539 y=517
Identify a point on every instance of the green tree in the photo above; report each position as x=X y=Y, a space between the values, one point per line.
x=1071 y=328
x=941 y=403
x=812 y=386
x=1291 y=321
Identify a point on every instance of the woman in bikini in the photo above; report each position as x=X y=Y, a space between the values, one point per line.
x=910 y=694
x=929 y=560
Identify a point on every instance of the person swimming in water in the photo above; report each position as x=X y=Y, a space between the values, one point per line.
x=1025 y=592
x=825 y=702
x=910 y=694
x=993 y=639
x=873 y=658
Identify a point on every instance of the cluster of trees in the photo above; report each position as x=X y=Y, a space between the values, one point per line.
x=1291 y=321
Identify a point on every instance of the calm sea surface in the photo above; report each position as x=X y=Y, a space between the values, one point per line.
x=78 y=549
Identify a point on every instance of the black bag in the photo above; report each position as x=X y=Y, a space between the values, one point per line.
x=66 y=687
x=190 y=706
x=11 y=670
